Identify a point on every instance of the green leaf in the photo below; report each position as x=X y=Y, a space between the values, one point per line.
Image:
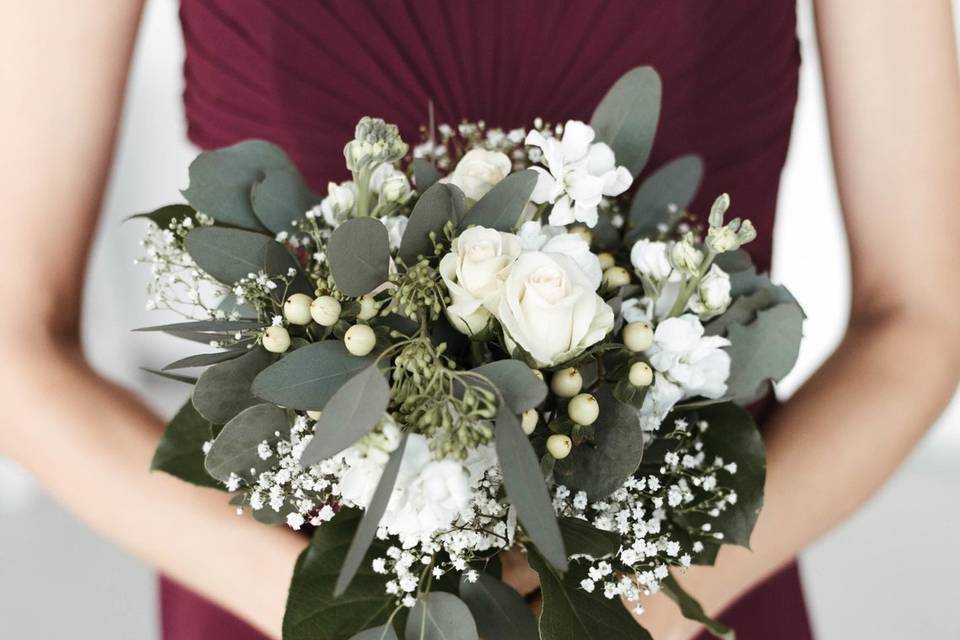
x=425 y=175
x=601 y=467
x=231 y=254
x=171 y=376
x=692 y=610
x=307 y=378
x=213 y=326
x=367 y=529
x=280 y=198
x=672 y=185
x=626 y=118
x=221 y=180
x=235 y=448
x=431 y=212
x=223 y=390
x=205 y=359
x=163 y=216
x=499 y=611
x=516 y=382
x=313 y=613
x=766 y=349
x=383 y=632
x=503 y=205
x=441 y=616
x=526 y=488
x=582 y=538
x=734 y=261
x=359 y=255
x=180 y=451
x=570 y=613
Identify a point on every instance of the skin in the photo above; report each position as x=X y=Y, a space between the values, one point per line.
x=894 y=110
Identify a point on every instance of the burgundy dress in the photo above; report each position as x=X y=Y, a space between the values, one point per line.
x=300 y=73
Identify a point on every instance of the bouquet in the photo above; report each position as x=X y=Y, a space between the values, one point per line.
x=496 y=341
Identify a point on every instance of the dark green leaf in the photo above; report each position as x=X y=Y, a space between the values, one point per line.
x=171 y=376
x=205 y=359
x=235 y=448
x=671 y=187
x=359 y=255
x=433 y=210
x=626 y=118
x=692 y=610
x=223 y=390
x=383 y=632
x=526 y=488
x=424 y=174
x=502 y=206
x=367 y=529
x=570 y=613
x=515 y=381
x=499 y=611
x=221 y=180
x=213 y=326
x=281 y=198
x=766 y=349
x=441 y=616
x=601 y=467
x=307 y=378
x=312 y=611
x=734 y=261
x=180 y=451
x=582 y=538
x=163 y=216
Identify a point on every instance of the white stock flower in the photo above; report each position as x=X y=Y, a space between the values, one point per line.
x=395 y=225
x=473 y=273
x=339 y=202
x=549 y=308
x=578 y=174
x=690 y=359
x=649 y=259
x=713 y=294
x=657 y=403
x=550 y=239
x=479 y=171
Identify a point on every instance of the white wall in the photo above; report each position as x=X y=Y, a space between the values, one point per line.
x=888 y=573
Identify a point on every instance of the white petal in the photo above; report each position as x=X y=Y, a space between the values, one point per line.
x=576 y=140
x=562 y=212
x=617 y=181
x=600 y=159
x=546 y=185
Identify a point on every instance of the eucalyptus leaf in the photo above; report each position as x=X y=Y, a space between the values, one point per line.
x=582 y=538
x=672 y=187
x=425 y=175
x=214 y=326
x=313 y=613
x=164 y=216
x=526 y=489
x=171 y=376
x=367 y=529
x=499 y=611
x=223 y=390
x=280 y=198
x=734 y=261
x=307 y=378
x=433 y=210
x=766 y=349
x=221 y=180
x=441 y=616
x=601 y=467
x=626 y=118
x=180 y=451
x=359 y=255
x=235 y=448
x=516 y=382
x=383 y=632
x=692 y=610
x=503 y=205
x=204 y=359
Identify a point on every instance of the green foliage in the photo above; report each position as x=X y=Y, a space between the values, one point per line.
x=499 y=611
x=383 y=632
x=766 y=349
x=692 y=610
x=223 y=390
x=180 y=451
x=433 y=210
x=526 y=489
x=516 y=383
x=627 y=116
x=441 y=616
x=582 y=538
x=307 y=378
x=235 y=448
x=503 y=205
x=281 y=197
x=163 y=216
x=313 y=613
x=425 y=175
x=205 y=359
x=359 y=255
x=675 y=183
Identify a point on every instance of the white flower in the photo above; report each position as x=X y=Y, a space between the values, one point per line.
x=338 y=203
x=686 y=257
x=474 y=271
x=550 y=239
x=390 y=183
x=578 y=174
x=713 y=294
x=695 y=362
x=479 y=171
x=658 y=402
x=649 y=259
x=395 y=225
x=549 y=308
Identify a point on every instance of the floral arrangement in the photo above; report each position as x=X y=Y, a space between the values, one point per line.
x=495 y=341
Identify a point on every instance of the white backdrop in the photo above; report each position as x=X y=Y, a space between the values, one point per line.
x=890 y=572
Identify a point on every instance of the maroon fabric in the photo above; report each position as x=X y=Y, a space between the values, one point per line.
x=302 y=72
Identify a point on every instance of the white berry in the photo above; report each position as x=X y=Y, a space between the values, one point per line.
x=360 y=339
x=528 y=421
x=559 y=445
x=606 y=260
x=640 y=375
x=297 y=309
x=638 y=336
x=566 y=383
x=583 y=409
x=325 y=311
x=616 y=277
x=583 y=232
x=276 y=339
x=368 y=308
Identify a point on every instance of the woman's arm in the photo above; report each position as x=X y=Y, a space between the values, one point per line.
x=89 y=442
x=893 y=98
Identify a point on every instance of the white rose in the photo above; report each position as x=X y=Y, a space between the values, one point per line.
x=551 y=239
x=549 y=308
x=690 y=359
x=713 y=294
x=479 y=171
x=474 y=271
x=649 y=258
